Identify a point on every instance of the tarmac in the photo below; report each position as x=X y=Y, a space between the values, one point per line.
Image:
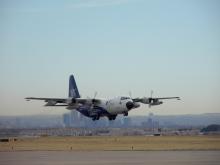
x=110 y=157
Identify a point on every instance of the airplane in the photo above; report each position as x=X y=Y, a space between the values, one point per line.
x=96 y=108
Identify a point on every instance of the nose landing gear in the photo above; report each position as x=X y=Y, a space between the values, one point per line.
x=125 y=113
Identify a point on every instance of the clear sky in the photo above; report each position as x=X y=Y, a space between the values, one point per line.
x=112 y=47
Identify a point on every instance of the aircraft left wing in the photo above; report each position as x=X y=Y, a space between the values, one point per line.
x=65 y=101
x=50 y=101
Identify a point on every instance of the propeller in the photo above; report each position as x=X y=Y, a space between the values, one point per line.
x=151 y=93
x=130 y=94
x=95 y=94
x=150 y=99
x=94 y=98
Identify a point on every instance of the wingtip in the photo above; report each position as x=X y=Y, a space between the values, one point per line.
x=27 y=98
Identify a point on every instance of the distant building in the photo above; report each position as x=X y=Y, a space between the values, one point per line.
x=75 y=120
x=71 y=119
x=66 y=120
x=115 y=123
x=127 y=122
x=151 y=123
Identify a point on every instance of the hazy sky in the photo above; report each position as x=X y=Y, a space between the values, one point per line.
x=112 y=47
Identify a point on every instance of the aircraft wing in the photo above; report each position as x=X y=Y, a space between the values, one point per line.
x=61 y=100
x=65 y=101
x=50 y=101
x=162 y=98
x=150 y=100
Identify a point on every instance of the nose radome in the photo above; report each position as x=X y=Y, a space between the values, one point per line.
x=129 y=105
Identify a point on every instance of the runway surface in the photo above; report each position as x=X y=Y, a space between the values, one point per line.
x=110 y=157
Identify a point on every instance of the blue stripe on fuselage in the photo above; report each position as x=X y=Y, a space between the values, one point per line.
x=85 y=110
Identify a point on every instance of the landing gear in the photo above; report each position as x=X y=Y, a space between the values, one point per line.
x=126 y=114
x=112 y=117
x=95 y=117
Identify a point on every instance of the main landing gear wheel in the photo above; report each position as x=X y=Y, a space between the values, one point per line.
x=113 y=117
x=95 y=118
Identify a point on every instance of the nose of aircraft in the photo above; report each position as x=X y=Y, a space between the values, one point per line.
x=129 y=105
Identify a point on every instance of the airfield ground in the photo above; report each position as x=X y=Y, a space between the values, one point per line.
x=110 y=158
x=113 y=143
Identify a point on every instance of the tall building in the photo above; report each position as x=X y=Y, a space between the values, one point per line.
x=127 y=122
x=151 y=123
x=75 y=121
x=72 y=119
x=66 y=120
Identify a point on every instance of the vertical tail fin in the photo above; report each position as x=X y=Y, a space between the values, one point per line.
x=73 y=90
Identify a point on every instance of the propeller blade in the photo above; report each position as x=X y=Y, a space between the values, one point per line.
x=130 y=94
x=150 y=99
x=95 y=95
x=151 y=93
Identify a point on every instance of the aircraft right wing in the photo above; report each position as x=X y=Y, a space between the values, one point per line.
x=153 y=100
x=162 y=98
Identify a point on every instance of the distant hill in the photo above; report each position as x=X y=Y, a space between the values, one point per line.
x=170 y=121
x=181 y=120
x=34 y=121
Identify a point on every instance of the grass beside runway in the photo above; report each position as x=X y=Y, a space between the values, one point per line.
x=111 y=143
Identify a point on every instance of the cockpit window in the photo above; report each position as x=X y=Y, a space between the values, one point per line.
x=124 y=98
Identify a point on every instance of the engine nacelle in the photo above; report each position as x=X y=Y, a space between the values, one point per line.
x=156 y=103
x=69 y=101
x=51 y=103
x=136 y=105
x=145 y=100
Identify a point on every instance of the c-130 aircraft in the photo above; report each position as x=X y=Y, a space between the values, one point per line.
x=96 y=108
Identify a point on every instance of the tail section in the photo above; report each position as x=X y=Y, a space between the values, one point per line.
x=73 y=90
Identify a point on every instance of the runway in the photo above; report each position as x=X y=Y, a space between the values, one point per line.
x=110 y=157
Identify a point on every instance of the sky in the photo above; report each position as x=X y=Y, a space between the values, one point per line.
x=112 y=47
